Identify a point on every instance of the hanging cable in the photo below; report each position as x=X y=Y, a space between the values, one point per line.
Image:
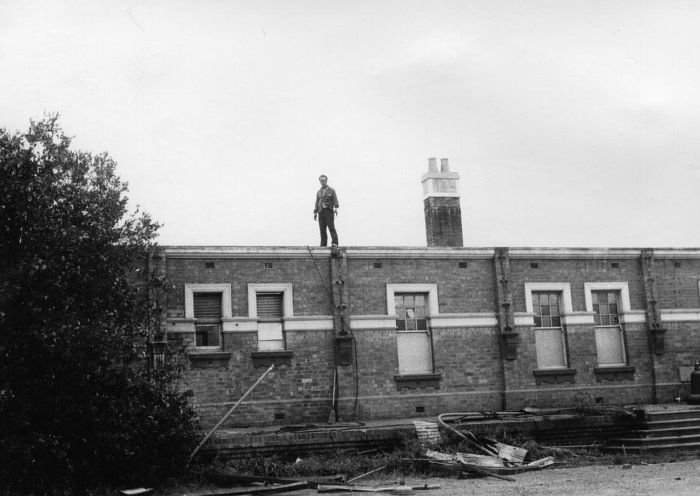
x=344 y=328
x=329 y=289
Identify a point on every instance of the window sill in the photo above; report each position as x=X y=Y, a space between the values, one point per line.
x=267 y=358
x=208 y=359
x=415 y=381
x=554 y=376
x=615 y=373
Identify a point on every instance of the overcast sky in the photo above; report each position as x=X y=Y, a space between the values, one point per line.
x=570 y=123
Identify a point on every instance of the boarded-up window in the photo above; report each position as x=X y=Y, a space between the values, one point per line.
x=549 y=334
x=207 y=314
x=412 y=336
x=270 y=324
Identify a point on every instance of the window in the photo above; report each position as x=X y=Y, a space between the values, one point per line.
x=208 y=305
x=608 y=333
x=207 y=314
x=605 y=306
x=271 y=304
x=413 y=338
x=610 y=304
x=412 y=305
x=549 y=333
x=411 y=312
x=270 y=313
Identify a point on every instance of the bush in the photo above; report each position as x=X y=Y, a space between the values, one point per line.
x=78 y=406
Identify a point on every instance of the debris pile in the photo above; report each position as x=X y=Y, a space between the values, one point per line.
x=496 y=459
x=470 y=465
x=487 y=458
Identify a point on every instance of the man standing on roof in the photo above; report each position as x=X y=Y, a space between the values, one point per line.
x=325 y=209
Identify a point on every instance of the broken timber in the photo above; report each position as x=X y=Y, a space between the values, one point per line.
x=367 y=473
x=262 y=490
x=381 y=489
x=223 y=479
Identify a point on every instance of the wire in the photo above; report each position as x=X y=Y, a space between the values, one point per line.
x=344 y=328
x=329 y=289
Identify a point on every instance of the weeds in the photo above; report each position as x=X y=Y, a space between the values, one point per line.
x=347 y=462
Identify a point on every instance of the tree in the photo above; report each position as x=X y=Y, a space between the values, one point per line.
x=77 y=406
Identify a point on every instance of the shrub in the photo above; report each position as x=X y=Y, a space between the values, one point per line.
x=78 y=407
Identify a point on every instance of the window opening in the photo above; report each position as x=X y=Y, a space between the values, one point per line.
x=413 y=338
x=608 y=332
x=549 y=334
x=207 y=314
x=270 y=316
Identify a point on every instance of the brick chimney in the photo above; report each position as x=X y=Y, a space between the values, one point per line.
x=443 y=215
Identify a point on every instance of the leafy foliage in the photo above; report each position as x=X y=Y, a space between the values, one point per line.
x=77 y=405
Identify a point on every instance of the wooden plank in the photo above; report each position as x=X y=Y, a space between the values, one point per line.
x=483 y=471
x=511 y=453
x=330 y=488
x=242 y=479
x=262 y=490
x=366 y=474
x=380 y=489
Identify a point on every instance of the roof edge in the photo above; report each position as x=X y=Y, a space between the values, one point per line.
x=418 y=252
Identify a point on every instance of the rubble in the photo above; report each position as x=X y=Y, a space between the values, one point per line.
x=490 y=458
x=497 y=459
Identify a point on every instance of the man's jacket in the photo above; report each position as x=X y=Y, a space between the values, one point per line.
x=325 y=198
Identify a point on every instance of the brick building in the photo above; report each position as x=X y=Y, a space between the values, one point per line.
x=377 y=332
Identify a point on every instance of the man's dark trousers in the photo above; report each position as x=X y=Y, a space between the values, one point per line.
x=326 y=219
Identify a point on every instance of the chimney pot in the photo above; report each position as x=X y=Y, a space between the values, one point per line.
x=444 y=165
x=432 y=165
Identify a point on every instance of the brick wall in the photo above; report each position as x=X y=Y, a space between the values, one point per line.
x=460 y=289
x=310 y=285
x=471 y=372
x=677 y=282
x=301 y=389
x=576 y=273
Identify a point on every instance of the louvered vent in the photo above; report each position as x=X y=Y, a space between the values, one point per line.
x=207 y=306
x=269 y=305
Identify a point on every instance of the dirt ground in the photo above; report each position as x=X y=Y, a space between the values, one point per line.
x=664 y=479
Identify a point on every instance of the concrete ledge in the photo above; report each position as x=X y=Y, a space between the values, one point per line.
x=414 y=381
x=203 y=360
x=618 y=373
x=562 y=430
x=267 y=358
x=554 y=376
x=307 y=439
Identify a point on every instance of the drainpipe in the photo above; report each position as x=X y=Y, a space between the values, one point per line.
x=655 y=332
x=344 y=342
x=507 y=335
